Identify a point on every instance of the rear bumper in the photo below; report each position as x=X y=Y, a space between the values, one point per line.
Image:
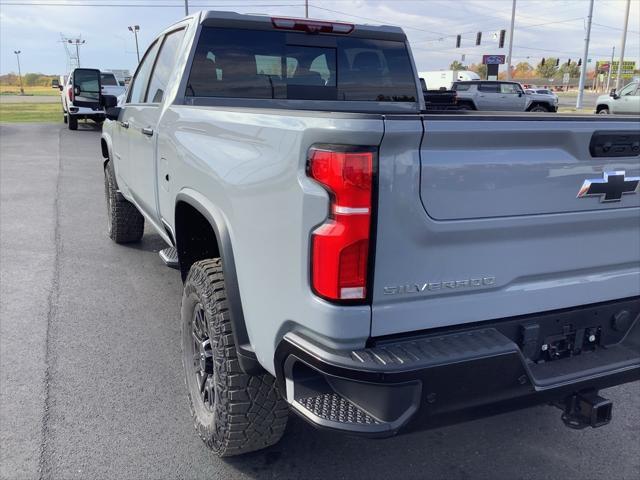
x=450 y=375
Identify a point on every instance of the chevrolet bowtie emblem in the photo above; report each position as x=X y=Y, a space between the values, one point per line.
x=611 y=187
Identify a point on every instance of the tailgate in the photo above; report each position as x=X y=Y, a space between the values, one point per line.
x=482 y=220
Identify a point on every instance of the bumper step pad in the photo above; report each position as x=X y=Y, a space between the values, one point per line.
x=169 y=256
x=335 y=408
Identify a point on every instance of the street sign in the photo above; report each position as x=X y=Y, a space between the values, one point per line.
x=493 y=59
x=565 y=78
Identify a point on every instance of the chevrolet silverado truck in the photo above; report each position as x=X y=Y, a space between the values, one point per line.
x=369 y=266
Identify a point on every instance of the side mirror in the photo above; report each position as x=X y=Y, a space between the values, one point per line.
x=86 y=87
x=613 y=93
x=519 y=94
x=110 y=104
x=60 y=87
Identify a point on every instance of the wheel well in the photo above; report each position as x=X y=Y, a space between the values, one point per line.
x=601 y=107
x=538 y=104
x=467 y=102
x=195 y=237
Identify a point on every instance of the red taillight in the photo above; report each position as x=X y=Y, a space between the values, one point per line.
x=70 y=94
x=311 y=26
x=340 y=246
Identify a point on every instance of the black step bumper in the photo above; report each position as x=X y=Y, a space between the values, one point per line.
x=435 y=378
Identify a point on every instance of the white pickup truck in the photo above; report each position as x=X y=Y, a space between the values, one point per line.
x=109 y=85
x=352 y=257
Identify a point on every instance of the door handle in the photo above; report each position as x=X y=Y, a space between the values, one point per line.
x=124 y=124
x=147 y=131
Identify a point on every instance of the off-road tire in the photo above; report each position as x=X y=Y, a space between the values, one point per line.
x=603 y=111
x=125 y=224
x=247 y=412
x=72 y=121
x=465 y=106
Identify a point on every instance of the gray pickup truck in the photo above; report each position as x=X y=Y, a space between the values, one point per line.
x=364 y=264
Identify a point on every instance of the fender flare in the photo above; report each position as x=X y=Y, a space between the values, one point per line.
x=246 y=355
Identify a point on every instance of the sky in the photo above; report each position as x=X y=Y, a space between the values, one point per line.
x=543 y=28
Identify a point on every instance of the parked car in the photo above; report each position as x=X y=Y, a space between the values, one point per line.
x=627 y=101
x=542 y=91
x=71 y=112
x=351 y=257
x=501 y=96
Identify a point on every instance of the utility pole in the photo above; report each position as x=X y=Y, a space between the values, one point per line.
x=135 y=29
x=613 y=52
x=585 y=57
x=513 y=22
x=186 y=8
x=17 y=52
x=77 y=42
x=623 y=44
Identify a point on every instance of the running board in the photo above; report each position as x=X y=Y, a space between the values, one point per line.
x=169 y=256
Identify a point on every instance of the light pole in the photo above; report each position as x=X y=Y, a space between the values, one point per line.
x=623 y=44
x=306 y=8
x=17 y=52
x=513 y=22
x=585 y=57
x=613 y=53
x=186 y=8
x=77 y=42
x=135 y=29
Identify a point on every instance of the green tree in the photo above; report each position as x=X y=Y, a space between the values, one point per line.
x=573 y=70
x=549 y=69
x=456 y=65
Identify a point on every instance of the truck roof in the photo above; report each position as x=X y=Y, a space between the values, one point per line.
x=265 y=22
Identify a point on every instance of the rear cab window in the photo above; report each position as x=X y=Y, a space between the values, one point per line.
x=264 y=64
x=108 y=79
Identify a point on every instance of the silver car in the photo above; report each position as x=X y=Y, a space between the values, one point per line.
x=627 y=101
x=501 y=96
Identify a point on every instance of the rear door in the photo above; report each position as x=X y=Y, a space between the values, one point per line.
x=488 y=96
x=483 y=221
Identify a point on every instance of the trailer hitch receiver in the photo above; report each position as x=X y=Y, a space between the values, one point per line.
x=586 y=409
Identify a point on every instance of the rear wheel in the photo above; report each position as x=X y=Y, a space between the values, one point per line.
x=603 y=111
x=464 y=106
x=125 y=224
x=232 y=411
x=72 y=120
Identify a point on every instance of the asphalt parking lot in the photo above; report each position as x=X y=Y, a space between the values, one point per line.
x=91 y=379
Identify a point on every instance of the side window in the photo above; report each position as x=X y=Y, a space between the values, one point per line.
x=509 y=88
x=628 y=90
x=139 y=82
x=461 y=87
x=164 y=66
x=488 y=87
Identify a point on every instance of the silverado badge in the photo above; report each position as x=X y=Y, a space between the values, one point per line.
x=611 y=187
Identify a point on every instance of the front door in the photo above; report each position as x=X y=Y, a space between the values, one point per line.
x=129 y=130
x=511 y=98
x=487 y=97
